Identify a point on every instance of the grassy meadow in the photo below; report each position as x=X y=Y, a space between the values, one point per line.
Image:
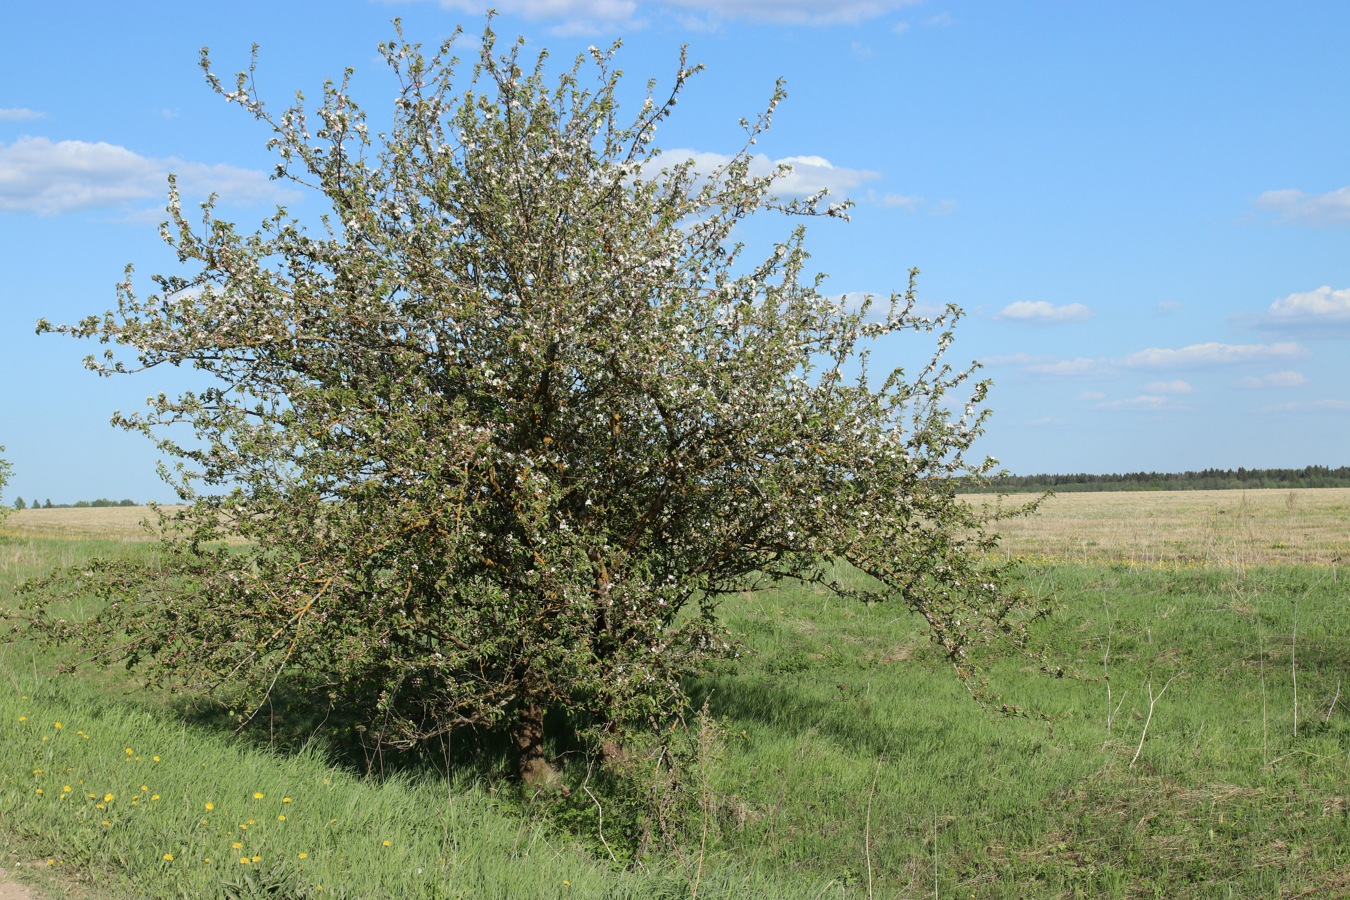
x=1199 y=746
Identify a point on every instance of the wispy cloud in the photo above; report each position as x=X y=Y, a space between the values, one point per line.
x=1210 y=354
x=583 y=15
x=1168 y=387
x=809 y=175
x=1331 y=208
x=49 y=178
x=19 y=114
x=1143 y=401
x=1309 y=406
x=1041 y=312
x=1286 y=379
x=1047 y=365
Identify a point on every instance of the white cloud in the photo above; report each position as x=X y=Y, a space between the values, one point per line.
x=1143 y=401
x=1311 y=307
x=1042 y=312
x=1210 y=354
x=1284 y=379
x=1169 y=387
x=48 y=178
x=809 y=174
x=19 y=114
x=1331 y=208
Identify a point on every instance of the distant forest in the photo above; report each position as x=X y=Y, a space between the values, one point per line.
x=1206 y=480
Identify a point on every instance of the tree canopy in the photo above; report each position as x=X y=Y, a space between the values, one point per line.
x=491 y=438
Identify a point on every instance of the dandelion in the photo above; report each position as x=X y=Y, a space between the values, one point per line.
x=107 y=798
x=238 y=846
x=106 y=823
x=154 y=796
x=285 y=799
x=58 y=726
x=23 y=718
x=279 y=818
x=66 y=789
x=303 y=856
x=144 y=788
x=210 y=806
x=39 y=790
x=100 y=806
x=243 y=860
x=257 y=859
x=257 y=795
x=154 y=758
x=168 y=857
x=128 y=751
x=389 y=843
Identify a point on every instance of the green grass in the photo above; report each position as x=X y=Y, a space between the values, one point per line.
x=850 y=763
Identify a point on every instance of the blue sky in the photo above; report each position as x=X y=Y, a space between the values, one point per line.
x=1144 y=208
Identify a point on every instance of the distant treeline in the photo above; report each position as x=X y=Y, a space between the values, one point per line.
x=1205 y=480
x=20 y=503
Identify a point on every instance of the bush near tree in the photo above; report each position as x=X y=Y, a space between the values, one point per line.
x=501 y=428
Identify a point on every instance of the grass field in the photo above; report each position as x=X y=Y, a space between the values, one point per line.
x=1199 y=748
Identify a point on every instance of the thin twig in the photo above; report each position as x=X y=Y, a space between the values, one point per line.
x=1293 y=665
x=1152 y=701
x=867 y=825
x=601 y=826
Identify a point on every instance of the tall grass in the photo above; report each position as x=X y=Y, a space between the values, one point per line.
x=848 y=762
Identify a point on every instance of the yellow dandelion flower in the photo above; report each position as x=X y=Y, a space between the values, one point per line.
x=128 y=751
x=279 y=818
x=38 y=771
x=238 y=846
x=106 y=822
x=51 y=862
x=59 y=726
x=257 y=859
x=303 y=856
x=66 y=790
x=107 y=798
x=168 y=857
x=100 y=806
x=243 y=860
x=210 y=806
x=23 y=718
x=154 y=759
x=39 y=790
x=389 y=843
x=285 y=799
x=154 y=796
x=257 y=795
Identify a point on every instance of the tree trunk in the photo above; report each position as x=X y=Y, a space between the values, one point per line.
x=528 y=737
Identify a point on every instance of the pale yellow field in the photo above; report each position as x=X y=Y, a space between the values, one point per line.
x=109 y=522
x=1208 y=527
x=1229 y=528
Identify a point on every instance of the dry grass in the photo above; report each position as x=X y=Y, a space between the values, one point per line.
x=126 y=523
x=1229 y=528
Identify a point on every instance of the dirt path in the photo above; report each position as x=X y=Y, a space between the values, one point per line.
x=10 y=890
